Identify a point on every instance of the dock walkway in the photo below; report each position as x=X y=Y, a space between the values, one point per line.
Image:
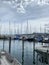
x=43 y=49
x=4 y=61
x=42 y=55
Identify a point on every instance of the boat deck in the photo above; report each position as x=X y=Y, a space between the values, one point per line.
x=4 y=61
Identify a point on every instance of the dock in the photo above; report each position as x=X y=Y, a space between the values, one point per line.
x=42 y=54
x=43 y=49
x=6 y=59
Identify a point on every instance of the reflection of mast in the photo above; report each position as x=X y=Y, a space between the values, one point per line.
x=3 y=42
x=22 y=52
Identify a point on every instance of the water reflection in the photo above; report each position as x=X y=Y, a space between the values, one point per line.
x=21 y=50
x=10 y=45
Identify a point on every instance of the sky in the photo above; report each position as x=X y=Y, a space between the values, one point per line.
x=36 y=12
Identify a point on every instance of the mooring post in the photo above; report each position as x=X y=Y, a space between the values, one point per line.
x=22 y=51
x=48 y=56
x=37 y=59
x=48 y=59
x=3 y=45
x=3 y=42
x=33 y=52
x=42 y=43
x=9 y=44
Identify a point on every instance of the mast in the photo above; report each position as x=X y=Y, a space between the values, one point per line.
x=14 y=31
x=14 y=27
x=0 y=29
x=27 y=27
x=9 y=27
x=18 y=29
x=21 y=28
x=40 y=28
x=45 y=28
x=30 y=29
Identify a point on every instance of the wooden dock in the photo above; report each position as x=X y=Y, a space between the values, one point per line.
x=43 y=49
x=4 y=60
x=42 y=54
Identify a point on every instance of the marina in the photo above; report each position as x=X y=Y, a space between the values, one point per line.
x=24 y=32
x=38 y=51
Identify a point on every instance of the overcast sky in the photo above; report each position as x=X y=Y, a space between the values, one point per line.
x=35 y=11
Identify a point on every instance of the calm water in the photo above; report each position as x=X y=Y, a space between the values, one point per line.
x=16 y=50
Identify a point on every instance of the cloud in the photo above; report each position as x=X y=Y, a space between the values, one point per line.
x=43 y=2
x=21 y=5
x=20 y=10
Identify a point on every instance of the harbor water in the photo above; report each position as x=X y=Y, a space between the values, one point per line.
x=23 y=55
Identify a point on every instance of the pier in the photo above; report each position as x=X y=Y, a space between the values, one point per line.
x=7 y=59
x=42 y=54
